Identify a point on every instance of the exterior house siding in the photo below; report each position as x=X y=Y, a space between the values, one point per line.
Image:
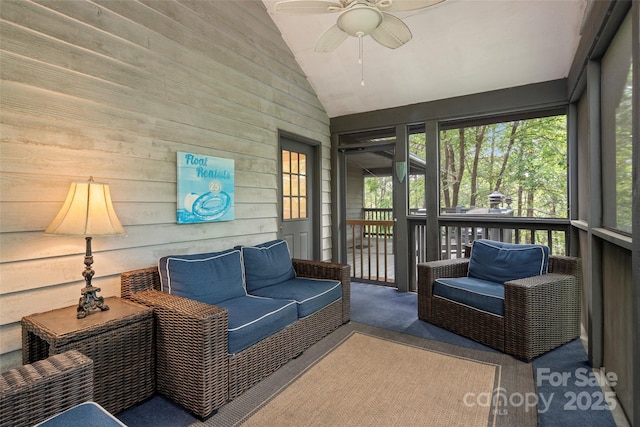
x=113 y=90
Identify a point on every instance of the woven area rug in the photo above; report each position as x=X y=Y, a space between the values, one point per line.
x=362 y=376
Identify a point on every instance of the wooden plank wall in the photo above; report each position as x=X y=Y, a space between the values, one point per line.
x=112 y=89
x=618 y=329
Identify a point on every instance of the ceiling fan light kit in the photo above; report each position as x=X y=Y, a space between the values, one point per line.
x=359 y=20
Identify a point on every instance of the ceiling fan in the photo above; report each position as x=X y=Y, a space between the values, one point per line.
x=359 y=18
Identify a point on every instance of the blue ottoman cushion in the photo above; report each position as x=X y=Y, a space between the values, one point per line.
x=502 y=262
x=208 y=277
x=310 y=295
x=480 y=294
x=267 y=264
x=253 y=318
x=88 y=414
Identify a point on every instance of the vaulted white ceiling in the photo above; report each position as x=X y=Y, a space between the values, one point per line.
x=459 y=47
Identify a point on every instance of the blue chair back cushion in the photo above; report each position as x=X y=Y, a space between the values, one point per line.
x=267 y=264
x=501 y=262
x=209 y=277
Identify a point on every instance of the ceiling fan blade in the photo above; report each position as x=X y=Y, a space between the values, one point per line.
x=392 y=32
x=308 y=7
x=402 y=5
x=330 y=40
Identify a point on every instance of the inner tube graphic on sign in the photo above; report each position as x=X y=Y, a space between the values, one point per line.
x=210 y=206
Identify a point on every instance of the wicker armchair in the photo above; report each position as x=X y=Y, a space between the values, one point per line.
x=540 y=312
x=193 y=367
x=32 y=393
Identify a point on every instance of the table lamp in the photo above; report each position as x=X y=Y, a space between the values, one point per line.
x=87 y=212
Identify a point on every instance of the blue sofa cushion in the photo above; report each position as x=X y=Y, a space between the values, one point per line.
x=479 y=294
x=310 y=295
x=253 y=318
x=208 y=277
x=267 y=264
x=502 y=262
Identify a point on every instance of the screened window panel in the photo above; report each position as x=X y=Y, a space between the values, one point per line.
x=616 y=121
x=514 y=168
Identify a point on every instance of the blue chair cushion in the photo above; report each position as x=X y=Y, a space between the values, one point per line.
x=310 y=295
x=208 y=277
x=267 y=264
x=253 y=318
x=501 y=262
x=479 y=294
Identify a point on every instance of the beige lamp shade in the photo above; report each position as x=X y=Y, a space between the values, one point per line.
x=88 y=211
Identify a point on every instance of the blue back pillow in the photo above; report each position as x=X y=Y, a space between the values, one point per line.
x=501 y=262
x=209 y=277
x=267 y=264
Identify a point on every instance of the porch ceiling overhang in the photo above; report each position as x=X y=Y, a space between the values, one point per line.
x=459 y=47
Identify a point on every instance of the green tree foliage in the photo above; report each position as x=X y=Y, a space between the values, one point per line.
x=523 y=159
x=417 y=142
x=378 y=192
x=624 y=152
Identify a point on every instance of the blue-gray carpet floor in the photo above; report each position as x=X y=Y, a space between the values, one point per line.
x=568 y=393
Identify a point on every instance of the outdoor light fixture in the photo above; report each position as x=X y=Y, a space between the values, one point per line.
x=401 y=171
x=87 y=212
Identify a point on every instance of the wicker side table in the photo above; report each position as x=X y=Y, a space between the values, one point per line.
x=119 y=341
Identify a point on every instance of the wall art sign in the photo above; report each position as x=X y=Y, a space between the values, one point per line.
x=205 y=188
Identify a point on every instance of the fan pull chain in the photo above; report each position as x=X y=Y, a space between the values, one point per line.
x=361 y=59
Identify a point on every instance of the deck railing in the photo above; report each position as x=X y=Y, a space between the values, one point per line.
x=458 y=231
x=377 y=214
x=370 y=242
x=370 y=249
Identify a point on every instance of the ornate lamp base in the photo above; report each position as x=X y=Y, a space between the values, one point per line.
x=90 y=301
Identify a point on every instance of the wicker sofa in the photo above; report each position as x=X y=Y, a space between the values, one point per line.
x=539 y=312
x=34 y=392
x=199 y=363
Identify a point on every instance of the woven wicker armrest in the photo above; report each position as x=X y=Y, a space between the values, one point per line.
x=135 y=281
x=566 y=265
x=321 y=269
x=331 y=271
x=541 y=313
x=32 y=393
x=428 y=272
x=433 y=270
x=191 y=350
x=191 y=343
x=172 y=305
